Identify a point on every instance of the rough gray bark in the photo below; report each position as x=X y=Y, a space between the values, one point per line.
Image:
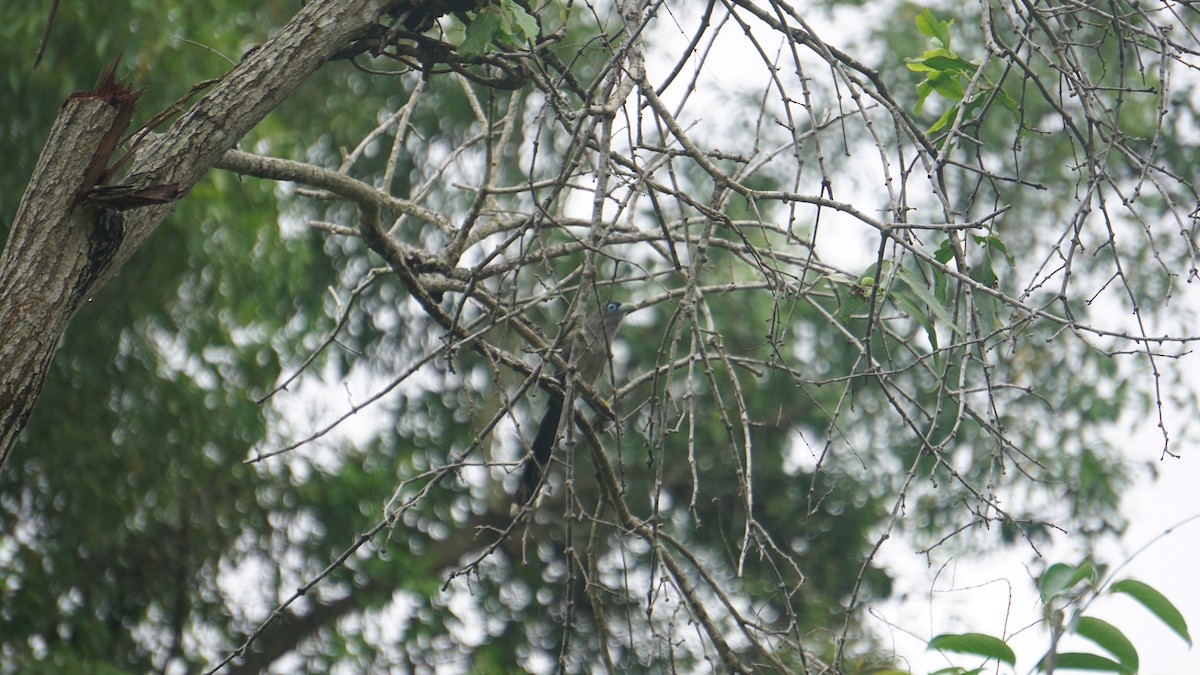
x=63 y=248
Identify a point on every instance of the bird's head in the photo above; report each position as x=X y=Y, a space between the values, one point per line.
x=614 y=312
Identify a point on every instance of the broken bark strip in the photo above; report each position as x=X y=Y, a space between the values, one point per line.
x=123 y=100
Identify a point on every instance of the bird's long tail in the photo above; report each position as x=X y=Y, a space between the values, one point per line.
x=542 y=446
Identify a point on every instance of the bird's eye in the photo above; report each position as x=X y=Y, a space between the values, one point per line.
x=612 y=306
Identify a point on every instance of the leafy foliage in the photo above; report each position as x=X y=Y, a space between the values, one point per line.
x=505 y=20
x=948 y=74
x=1070 y=586
x=270 y=431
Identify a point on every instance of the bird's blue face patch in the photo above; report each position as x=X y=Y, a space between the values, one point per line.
x=612 y=306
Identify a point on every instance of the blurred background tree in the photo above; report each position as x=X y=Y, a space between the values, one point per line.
x=854 y=323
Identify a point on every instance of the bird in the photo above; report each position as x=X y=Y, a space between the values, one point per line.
x=587 y=350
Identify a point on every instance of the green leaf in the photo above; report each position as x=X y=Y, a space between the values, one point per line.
x=836 y=279
x=946 y=85
x=938 y=30
x=1109 y=638
x=1157 y=603
x=994 y=242
x=1007 y=101
x=984 y=274
x=944 y=120
x=941 y=285
x=867 y=278
x=975 y=643
x=1083 y=661
x=922 y=291
x=480 y=33
x=518 y=23
x=852 y=304
x=1060 y=577
x=933 y=60
x=923 y=91
x=913 y=310
x=990 y=314
x=944 y=252
x=973 y=104
x=859 y=290
x=948 y=61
